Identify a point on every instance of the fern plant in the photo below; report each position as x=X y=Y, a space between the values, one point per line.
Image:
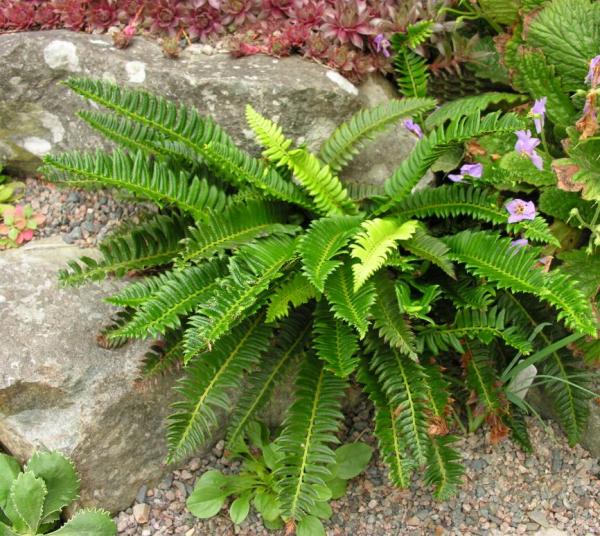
x=256 y=268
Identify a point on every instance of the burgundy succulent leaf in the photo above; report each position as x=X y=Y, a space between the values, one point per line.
x=348 y=22
x=102 y=15
x=166 y=16
x=19 y=16
x=204 y=22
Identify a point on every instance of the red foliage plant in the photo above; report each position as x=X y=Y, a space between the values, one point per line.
x=339 y=33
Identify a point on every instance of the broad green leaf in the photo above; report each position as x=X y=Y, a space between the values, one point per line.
x=27 y=494
x=208 y=496
x=60 y=477
x=337 y=486
x=310 y=526
x=351 y=460
x=88 y=523
x=266 y=504
x=321 y=509
x=9 y=469
x=5 y=530
x=239 y=508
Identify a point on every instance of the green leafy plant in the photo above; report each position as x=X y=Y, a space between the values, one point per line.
x=9 y=191
x=32 y=500
x=257 y=483
x=258 y=267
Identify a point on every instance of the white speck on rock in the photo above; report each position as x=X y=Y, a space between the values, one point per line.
x=109 y=77
x=98 y=42
x=15 y=80
x=345 y=84
x=37 y=146
x=61 y=54
x=136 y=71
x=53 y=124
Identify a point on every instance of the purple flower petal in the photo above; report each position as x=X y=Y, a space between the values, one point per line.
x=454 y=177
x=382 y=45
x=411 y=126
x=593 y=76
x=519 y=244
x=538 y=112
x=537 y=160
x=525 y=143
x=520 y=210
x=474 y=170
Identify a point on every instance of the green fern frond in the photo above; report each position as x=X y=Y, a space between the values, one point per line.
x=393 y=327
x=239 y=168
x=478 y=203
x=411 y=69
x=438 y=389
x=180 y=124
x=270 y=136
x=108 y=336
x=427 y=247
x=432 y=146
x=487 y=255
x=401 y=379
x=252 y=270
x=234 y=227
x=346 y=304
x=419 y=32
x=165 y=356
x=146 y=178
x=324 y=239
x=483 y=380
x=568 y=399
x=126 y=133
x=294 y=292
x=308 y=430
x=444 y=470
x=515 y=420
x=335 y=342
x=290 y=340
x=464 y=295
x=180 y=292
x=476 y=324
x=449 y=111
x=327 y=191
x=375 y=242
x=345 y=142
x=207 y=383
x=136 y=293
x=392 y=444
x=154 y=243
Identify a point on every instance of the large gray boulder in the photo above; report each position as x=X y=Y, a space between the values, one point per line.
x=37 y=115
x=60 y=390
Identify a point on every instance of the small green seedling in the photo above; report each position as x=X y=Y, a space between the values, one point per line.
x=31 y=501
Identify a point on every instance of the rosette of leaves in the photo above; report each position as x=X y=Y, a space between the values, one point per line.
x=256 y=484
x=32 y=499
x=258 y=267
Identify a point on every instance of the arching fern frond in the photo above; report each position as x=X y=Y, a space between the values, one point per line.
x=392 y=443
x=375 y=242
x=482 y=380
x=324 y=239
x=290 y=340
x=411 y=69
x=234 y=227
x=154 y=243
x=401 y=379
x=179 y=123
x=478 y=203
x=165 y=356
x=487 y=255
x=308 y=430
x=152 y=180
x=393 y=327
x=345 y=142
x=430 y=148
x=252 y=270
x=136 y=293
x=475 y=324
x=427 y=247
x=449 y=111
x=239 y=168
x=335 y=342
x=270 y=136
x=346 y=304
x=294 y=292
x=206 y=385
x=179 y=293
x=444 y=470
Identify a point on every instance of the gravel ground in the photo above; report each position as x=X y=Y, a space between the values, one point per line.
x=555 y=491
x=81 y=217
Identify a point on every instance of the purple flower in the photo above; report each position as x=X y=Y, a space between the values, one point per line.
x=411 y=126
x=593 y=76
x=473 y=170
x=520 y=210
x=519 y=244
x=526 y=146
x=382 y=45
x=538 y=111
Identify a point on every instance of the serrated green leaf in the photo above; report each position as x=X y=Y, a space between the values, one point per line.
x=88 y=523
x=27 y=494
